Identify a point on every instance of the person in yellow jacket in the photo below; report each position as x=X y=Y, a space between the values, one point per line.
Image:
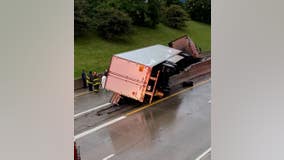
x=90 y=80
x=96 y=82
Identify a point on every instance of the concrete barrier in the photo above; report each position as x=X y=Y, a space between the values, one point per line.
x=78 y=84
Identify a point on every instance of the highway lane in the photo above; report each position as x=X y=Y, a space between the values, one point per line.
x=177 y=128
x=90 y=100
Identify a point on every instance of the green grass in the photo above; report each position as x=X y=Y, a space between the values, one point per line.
x=94 y=53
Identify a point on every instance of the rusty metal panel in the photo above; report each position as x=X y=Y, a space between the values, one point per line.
x=185 y=44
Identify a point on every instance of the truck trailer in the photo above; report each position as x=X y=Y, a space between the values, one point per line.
x=146 y=73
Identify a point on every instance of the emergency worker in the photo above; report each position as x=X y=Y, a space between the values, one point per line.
x=96 y=82
x=84 y=78
x=90 y=80
x=106 y=72
x=103 y=81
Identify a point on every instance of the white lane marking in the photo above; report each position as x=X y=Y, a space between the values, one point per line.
x=83 y=93
x=108 y=157
x=90 y=110
x=209 y=101
x=203 y=154
x=98 y=127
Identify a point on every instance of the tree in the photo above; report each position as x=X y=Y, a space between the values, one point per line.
x=142 y=12
x=136 y=9
x=81 y=16
x=153 y=13
x=111 y=23
x=171 y=2
x=199 y=10
x=175 y=16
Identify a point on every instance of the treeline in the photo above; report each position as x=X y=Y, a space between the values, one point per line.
x=112 y=18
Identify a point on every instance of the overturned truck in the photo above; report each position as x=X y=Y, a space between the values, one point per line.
x=152 y=71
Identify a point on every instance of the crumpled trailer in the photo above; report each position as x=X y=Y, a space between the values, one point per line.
x=131 y=72
x=145 y=73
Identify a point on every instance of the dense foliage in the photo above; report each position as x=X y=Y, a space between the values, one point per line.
x=153 y=13
x=176 y=2
x=142 y=12
x=82 y=18
x=112 y=22
x=88 y=15
x=199 y=10
x=175 y=16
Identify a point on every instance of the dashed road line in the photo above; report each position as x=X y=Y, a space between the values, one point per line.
x=78 y=136
x=83 y=93
x=203 y=154
x=108 y=157
x=90 y=110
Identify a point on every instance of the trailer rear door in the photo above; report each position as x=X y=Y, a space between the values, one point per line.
x=128 y=78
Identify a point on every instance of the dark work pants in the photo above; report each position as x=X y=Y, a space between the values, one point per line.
x=90 y=87
x=97 y=87
x=84 y=83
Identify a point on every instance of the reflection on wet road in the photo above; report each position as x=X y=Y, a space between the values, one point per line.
x=88 y=101
x=175 y=129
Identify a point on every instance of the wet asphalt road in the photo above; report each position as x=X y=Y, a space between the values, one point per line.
x=88 y=101
x=175 y=129
x=207 y=157
x=91 y=119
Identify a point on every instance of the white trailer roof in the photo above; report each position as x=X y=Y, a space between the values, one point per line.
x=150 y=56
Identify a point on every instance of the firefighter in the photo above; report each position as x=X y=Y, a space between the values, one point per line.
x=96 y=82
x=84 y=78
x=90 y=80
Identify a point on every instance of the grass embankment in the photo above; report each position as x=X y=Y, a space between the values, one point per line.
x=94 y=53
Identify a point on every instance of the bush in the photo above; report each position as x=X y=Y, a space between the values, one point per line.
x=136 y=9
x=153 y=13
x=199 y=10
x=111 y=23
x=87 y=13
x=105 y=4
x=171 y=2
x=142 y=13
x=175 y=16
x=82 y=17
